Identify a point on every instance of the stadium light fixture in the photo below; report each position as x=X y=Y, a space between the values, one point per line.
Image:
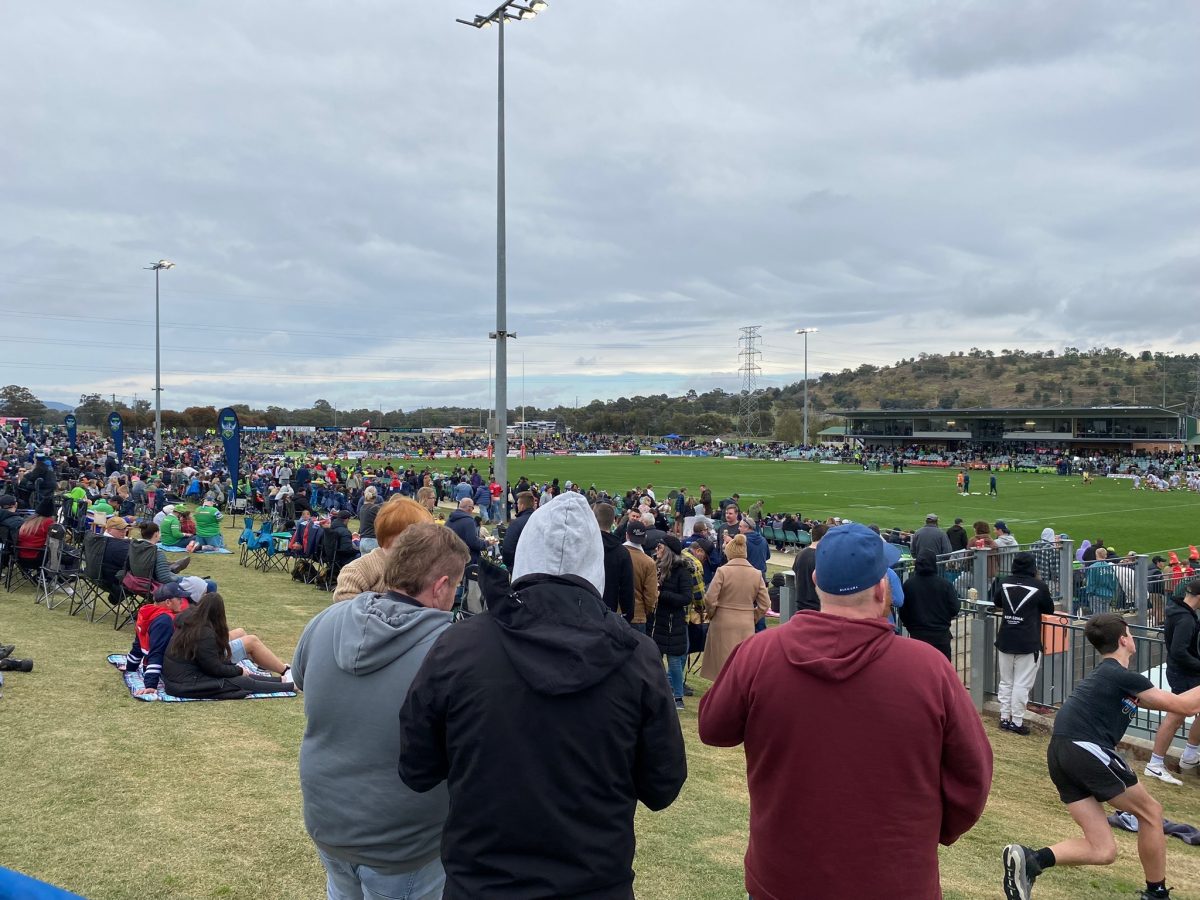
x=158 y=267
x=806 y=332
x=509 y=11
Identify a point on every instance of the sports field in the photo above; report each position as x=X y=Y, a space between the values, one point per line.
x=116 y=798
x=1106 y=508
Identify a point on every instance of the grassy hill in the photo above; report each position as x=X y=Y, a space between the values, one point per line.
x=1105 y=376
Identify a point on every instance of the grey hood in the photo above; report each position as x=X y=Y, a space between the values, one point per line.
x=562 y=538
x=373 y=630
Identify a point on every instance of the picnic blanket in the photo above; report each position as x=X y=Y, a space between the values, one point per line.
x=133 y=681
x=197 y=552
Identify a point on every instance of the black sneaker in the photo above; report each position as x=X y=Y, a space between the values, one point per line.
x=688 y=692
x=1021 y=729
x=1005 y=725
x=679 y=703
x=1157 y=894
x=6 y=650
x=16 y=665
x=1020 y=869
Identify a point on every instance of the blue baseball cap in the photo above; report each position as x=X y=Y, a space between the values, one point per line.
x=852 y=558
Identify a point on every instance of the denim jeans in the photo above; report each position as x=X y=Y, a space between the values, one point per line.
x=639 y=626
x=675 y=675
x=215 y=540
x=366 y=545
x=349 y=882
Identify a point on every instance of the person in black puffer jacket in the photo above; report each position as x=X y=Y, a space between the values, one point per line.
x=670 y=619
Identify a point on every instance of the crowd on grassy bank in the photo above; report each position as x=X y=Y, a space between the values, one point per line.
x=587 y=613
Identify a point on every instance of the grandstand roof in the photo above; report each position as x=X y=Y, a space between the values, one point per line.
x=1010 y=411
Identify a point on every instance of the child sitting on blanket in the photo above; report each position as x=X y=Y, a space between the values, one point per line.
x=155 y=627
x=199 y=663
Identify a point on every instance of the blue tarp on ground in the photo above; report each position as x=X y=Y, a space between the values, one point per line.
x=15 y=886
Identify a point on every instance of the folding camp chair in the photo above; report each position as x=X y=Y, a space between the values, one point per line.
x=89 y=590
x=59 y=573
x=305 y=551
x=330 y=568
x=697 y=638
x=259 y=546
x=275 y=558
x=8 y=555
x=245 y=540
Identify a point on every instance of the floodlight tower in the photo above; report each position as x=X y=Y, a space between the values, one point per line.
x=157 y=268
x=509 y=11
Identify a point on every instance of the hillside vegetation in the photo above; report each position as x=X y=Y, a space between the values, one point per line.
x=975 y=378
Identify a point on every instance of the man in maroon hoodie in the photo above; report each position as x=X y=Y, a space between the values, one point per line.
x=872 y=733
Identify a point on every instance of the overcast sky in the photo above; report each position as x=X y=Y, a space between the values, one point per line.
x=905 y=176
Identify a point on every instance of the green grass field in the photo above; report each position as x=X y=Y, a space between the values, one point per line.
x=1107 y=508
x=115 y=798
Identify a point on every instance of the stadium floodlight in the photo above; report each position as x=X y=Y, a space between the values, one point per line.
x=806 y=332
x=158 y=267
x=509 y=11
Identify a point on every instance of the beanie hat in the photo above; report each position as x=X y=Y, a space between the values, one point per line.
x=736 y=548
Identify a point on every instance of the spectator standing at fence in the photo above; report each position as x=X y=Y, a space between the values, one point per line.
x=957 y=535
x=548 y=719
x=930 y=537
x=1101 y=581
x=1088 y=771
x=846 y=662
x=930 y=604
x=1180 y=635
x=803 y=567
x=1021 y=599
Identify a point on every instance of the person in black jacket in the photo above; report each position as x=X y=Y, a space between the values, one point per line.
x=549 y=719
x=1181 y=634
x=803 y=567
x=930 y=604
x=957 y=535
x=675 y=594
x=1021 y=599
x=346 y=551
x=197 y=663
x=618 y=567
x=526 y=504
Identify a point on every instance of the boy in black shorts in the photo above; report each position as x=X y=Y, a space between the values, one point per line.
x=1088 y=771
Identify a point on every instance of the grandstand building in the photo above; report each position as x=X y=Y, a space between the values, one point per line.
x=1092 y=427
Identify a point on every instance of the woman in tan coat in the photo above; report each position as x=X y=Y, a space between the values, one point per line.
x=736 y=599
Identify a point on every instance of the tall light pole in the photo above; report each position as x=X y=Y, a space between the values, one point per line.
x=158 y=267
x=806 y=332
x=509 y=11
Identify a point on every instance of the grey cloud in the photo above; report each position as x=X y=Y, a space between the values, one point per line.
x=324 y=178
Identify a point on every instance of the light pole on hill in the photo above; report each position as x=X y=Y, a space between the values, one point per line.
x=157 y=268
x=509 y=11
x=806 y=332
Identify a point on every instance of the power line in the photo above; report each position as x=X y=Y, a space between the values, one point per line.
x=749 y=354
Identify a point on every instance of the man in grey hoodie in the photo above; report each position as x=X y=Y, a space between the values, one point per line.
x=355 y=662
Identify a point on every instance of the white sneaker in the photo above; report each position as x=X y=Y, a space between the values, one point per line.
x=1188 y=765
x=1161 y=773
x=286 y=678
